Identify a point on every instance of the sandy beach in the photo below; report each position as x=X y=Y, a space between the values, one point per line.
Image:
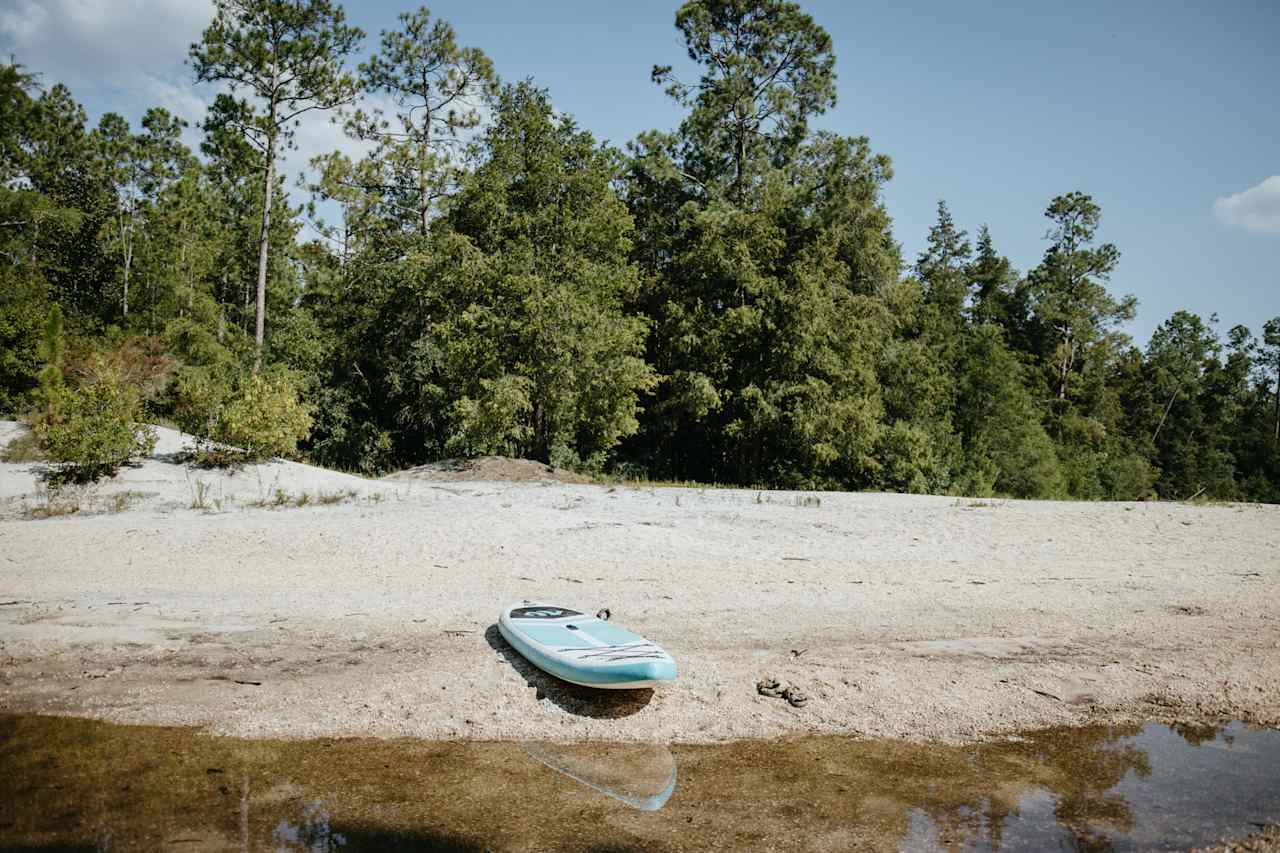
x=923 y=618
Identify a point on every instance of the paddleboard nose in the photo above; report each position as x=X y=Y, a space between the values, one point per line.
x=664 y=670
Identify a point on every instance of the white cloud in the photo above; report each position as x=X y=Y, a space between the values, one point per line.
x=128 y=55
x=1254 y=209
x=93 y=45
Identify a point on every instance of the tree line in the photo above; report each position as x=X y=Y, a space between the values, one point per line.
x=723 y=301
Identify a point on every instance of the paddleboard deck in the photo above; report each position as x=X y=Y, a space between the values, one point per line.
x=582 y=649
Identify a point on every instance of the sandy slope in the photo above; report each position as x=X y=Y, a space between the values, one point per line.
x=920 y=617
x=159 y=483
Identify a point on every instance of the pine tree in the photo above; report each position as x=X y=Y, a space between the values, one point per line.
x=943 y=266
x=766 y=69
x=438 y=89
x=287 y=55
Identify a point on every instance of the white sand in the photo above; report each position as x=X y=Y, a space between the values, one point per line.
x=917 y=617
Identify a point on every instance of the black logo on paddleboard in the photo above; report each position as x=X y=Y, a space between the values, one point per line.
x=544 y=612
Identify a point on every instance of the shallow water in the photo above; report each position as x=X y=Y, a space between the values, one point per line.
x=69 y=784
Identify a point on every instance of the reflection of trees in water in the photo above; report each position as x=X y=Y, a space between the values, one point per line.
x=1090 y=764
x=959 y=826
x=1079 y=767
x=313 y=833
x=1197 y=734
x=845 y=793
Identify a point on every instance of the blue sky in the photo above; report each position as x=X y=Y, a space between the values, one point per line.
x=1163 y=111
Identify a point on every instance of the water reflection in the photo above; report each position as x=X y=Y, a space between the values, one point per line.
x=75 y=784
x=641 y=775
x=313 y=833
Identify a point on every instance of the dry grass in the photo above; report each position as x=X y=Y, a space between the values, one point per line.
x=976 y=503
x=282 y=499
x=802 y=501
x=54 y=502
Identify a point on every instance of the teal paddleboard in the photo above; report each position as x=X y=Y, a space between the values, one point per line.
x=582 y=649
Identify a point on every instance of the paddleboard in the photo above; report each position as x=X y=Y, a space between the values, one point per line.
x=582 y=649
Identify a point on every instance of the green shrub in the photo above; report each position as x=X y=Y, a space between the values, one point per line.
x=257 y=417
x=199 y=396
x=93 y=429
x=497 y=422
x=23 y=308
x=265 y=418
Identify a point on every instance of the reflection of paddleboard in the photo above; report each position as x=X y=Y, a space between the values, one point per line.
x=583 y=649
x=641 y=775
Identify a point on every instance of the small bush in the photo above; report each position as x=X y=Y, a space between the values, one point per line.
x=199 y=398
x=93 y=429
x=265 y=417
x=257 y=417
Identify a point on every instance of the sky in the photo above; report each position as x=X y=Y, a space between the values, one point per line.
x=1167 y=112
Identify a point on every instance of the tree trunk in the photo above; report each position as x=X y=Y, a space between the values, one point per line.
x=1167 y=408
x=264 y=241
x=186 y=273
x=126 y=247
x=424 y=202
x=424 y=193
x=739 y=155
x=1275 y=440
x=1064 y=370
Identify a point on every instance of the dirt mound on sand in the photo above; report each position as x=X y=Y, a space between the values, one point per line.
x=488 y=468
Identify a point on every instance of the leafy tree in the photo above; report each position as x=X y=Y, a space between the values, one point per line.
x=1249 y=374
x=17 y=114
x=186 y=234
x=1005 y=445
x=53 y=352
x=32 y=228
x=264 y=417
x=763 y=249
x=1177 y=353
x=916 y=369
x=527 y=348
x=367 y=211
x=1269 y=360
x=287 y=54
x=170 y=232
x=1201 y=418
x=235 y=191
x=63 y=207
x=23 y=304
